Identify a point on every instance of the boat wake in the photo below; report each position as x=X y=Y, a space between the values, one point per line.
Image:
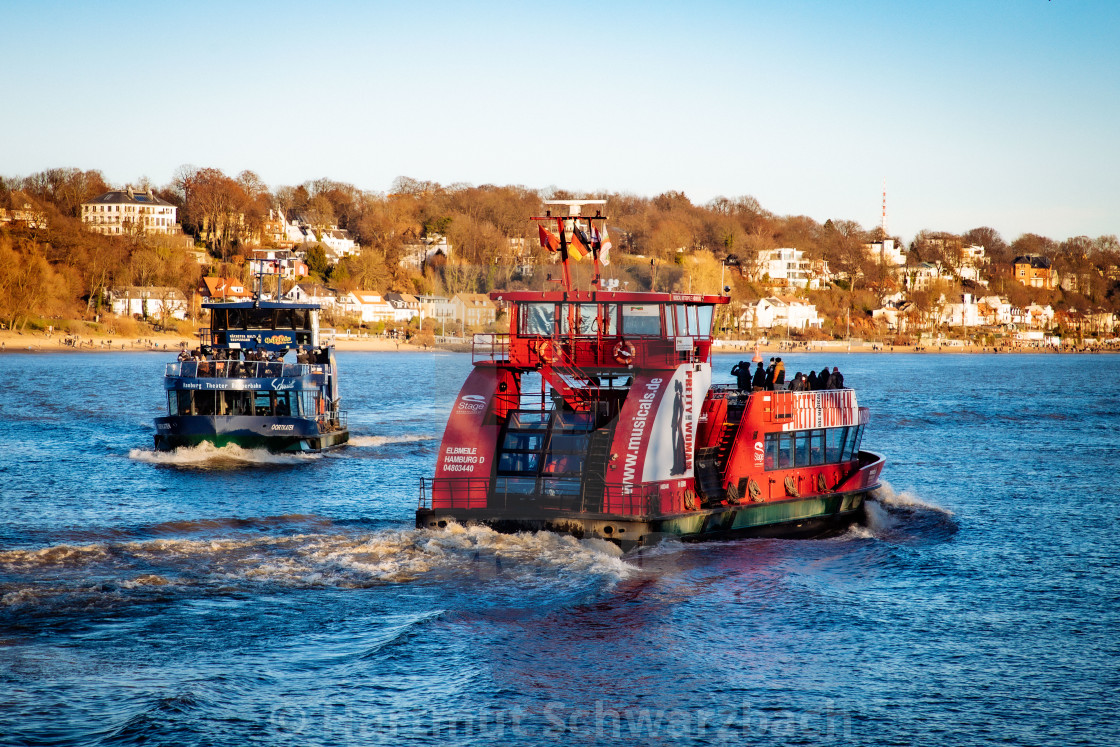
x=209 y=455
x=376 y=441
x=108 y=571
x=904 y=517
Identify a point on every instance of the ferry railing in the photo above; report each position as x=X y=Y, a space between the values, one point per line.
x=332 y=421
x=466 y=493
x=492 y=347
x=241 y=369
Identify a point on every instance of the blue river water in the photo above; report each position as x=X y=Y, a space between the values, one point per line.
x=215 y=597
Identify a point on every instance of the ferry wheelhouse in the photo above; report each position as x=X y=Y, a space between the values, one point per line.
x=596 y=416
x=242 y=387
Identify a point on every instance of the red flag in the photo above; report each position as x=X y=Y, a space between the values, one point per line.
x=549 y=240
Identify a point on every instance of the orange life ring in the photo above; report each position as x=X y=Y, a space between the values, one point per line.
x=624 y=352
x=546 y=352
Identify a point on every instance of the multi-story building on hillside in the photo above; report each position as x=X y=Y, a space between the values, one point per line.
x=1035 y=271
x=130 y=212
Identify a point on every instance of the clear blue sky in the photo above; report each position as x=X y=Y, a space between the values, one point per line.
x=976 y=113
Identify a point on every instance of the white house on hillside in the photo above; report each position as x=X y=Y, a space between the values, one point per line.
x=129 y=211
x=312 y=293
x=780 y=311
x=405 y=307
x=367 y=306
x=785 y=266
x=147 y=302
x=886 y=252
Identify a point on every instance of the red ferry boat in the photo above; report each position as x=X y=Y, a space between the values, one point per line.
x=596 y=416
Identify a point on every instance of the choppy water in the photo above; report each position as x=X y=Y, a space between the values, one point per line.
x=229 y=596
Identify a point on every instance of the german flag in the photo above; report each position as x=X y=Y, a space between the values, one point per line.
x=578 y=247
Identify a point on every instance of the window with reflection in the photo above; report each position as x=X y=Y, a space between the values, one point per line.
x=538 y=319
x=705 y=314
x=641 y=320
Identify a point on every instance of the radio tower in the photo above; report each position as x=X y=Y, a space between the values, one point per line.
x=883 y=225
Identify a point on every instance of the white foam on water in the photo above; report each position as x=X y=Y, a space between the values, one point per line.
x=322 y=560
x=892 y=515
x=905 y=500
x=208 y=454
x=375 y=441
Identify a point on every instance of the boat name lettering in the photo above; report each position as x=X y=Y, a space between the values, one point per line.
x=461 y=450
x=630 y=465
x=282 y=384
x=472 y=403
x=688 y=419
x=278 y=339
x=287 y=427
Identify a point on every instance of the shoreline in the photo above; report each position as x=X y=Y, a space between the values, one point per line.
x=40 y=343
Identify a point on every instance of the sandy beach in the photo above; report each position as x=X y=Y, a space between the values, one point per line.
x=40 y=342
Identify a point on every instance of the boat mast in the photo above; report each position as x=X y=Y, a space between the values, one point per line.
x=574 y=210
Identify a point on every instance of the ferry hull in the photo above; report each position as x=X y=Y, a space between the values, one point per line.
x=278 y=435
x=811 y=516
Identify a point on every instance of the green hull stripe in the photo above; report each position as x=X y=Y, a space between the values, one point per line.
x=760 y=514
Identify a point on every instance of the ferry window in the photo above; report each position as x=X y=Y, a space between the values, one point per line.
x=568 y=443
x=237 y=403
x=802 y=441
x=670 y=322
x=262 y=403
x=816 y=447
x=235 y=319
x=204 y=403
x=856 y=442
x=528 y=419
x=682 y=320
x=573 y=421
x=771 y=450
x=834 y=440
x=519 y=485
x=564 y=464
x=560 y=485
x=583 y=317
x=641 y=319
x=608 y=319
x=529 y=441
x=705 y=313
x=283 y=407
x=301 y=319
x=519 y=462
x=785 y=450
x=538 y=319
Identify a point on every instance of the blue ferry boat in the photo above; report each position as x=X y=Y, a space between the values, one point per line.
x=261 y=378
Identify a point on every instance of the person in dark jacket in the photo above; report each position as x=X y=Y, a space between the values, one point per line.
x=811 y=381
x=836 y=380
x=822 y=378
x=742 y=374
x=798 y=382
x=759 y=381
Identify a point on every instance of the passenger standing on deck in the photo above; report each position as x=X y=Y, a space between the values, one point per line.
x=822 y=378
x=759 y=381
x=742 y=374
x=836 y=380
x=779 y=373
x=811 y=381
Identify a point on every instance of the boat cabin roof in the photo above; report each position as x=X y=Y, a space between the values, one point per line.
x=560 y=296
x=260 y=305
